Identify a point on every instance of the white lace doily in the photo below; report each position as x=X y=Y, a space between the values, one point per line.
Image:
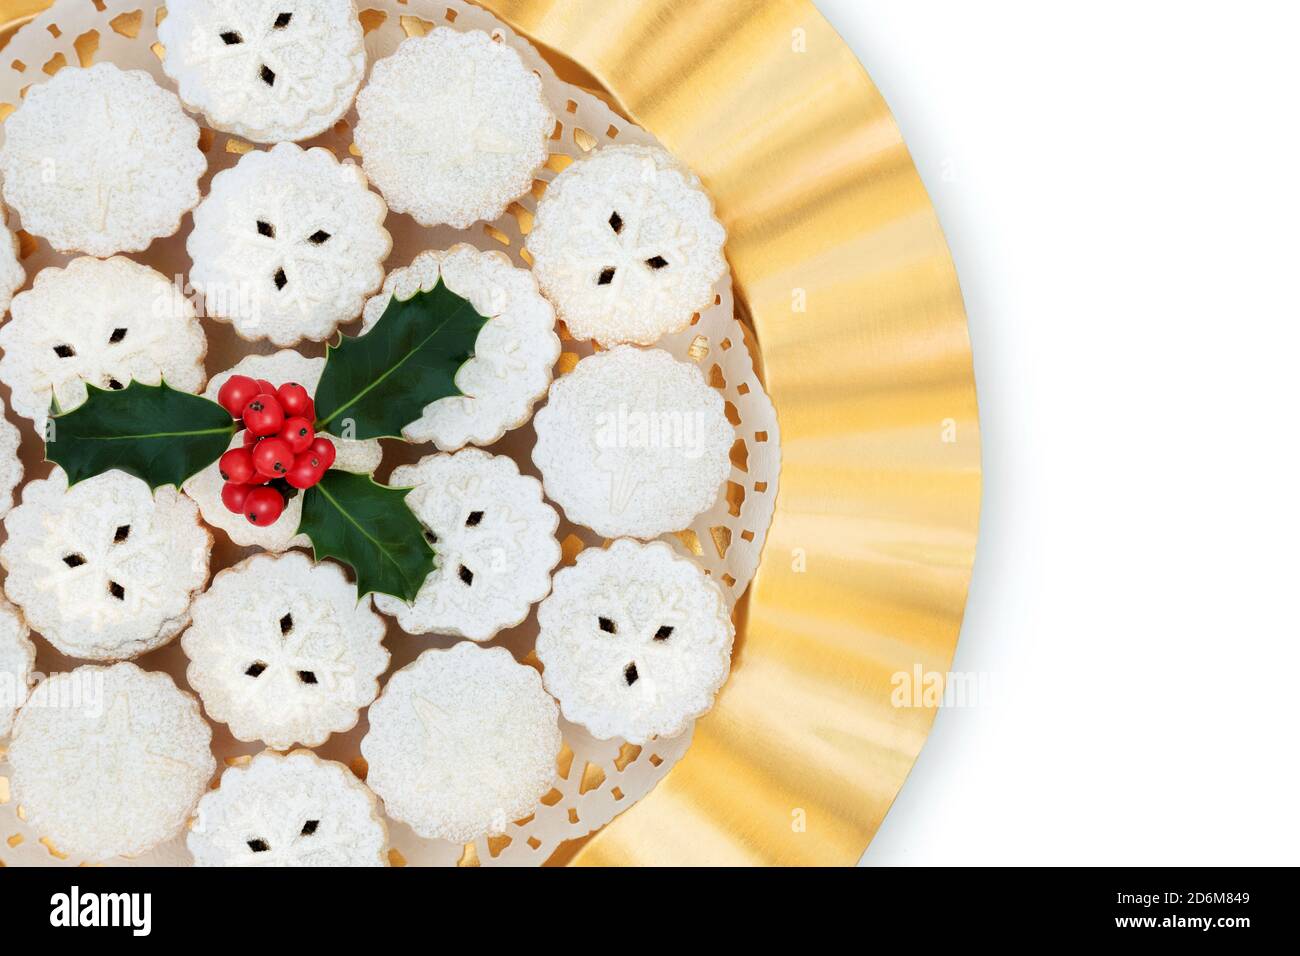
x=596 y=779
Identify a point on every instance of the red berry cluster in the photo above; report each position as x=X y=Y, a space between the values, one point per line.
x=281 y=454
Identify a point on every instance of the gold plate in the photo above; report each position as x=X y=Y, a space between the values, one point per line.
x=842 y=272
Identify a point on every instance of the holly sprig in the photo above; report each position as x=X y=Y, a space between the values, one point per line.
x=378 y=384
x=372 y=387
x=152 y=431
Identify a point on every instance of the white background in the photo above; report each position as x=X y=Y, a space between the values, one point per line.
x=1120 y=184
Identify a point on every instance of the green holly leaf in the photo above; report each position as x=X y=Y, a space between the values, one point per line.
x=151 y=431
x=377 y=383
x=368 y=527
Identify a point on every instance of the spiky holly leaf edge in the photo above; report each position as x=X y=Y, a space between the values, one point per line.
x=381 y=381
x=415 y=355
x=140 y=430
x=348 y=518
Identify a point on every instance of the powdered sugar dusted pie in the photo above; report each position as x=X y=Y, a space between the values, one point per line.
x=267 y=70
x=17 y=658
x=101 y=160
x=462 y=742
x=282 y=650
x=11 y=466
x=452 y=127
x=289 y=810
x=12 y=273
x=626 y=245
x=633 y=442
x=102 y=322
x=288 y=244
x=635 y=641
x=104 y=570
x=361 y=457
x=495 y=541
x=514 y=355
x=110 y=761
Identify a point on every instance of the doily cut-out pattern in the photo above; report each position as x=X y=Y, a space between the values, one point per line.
x=633 y=442
x=361 y=457
x=17 y=660
x=102 y=322
x=514 y=355
x=452 y=127
x=634 y=642
x=626 y=245
x=495 y=541
x=462 y=742
x=101 y=161
x=110 y=761
x=596 y=779
x=267 y=70
x=289 y=810
x=282 y=651
x=288 y=244
x=104 y=570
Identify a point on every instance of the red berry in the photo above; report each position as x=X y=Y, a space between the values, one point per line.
x=272 y=457
x=234 y=495
x=295 y=401
x=298 y=433
x=307 y=470
x=263 y=415
x=324 y=448
x=265 y=387
x=238 y=391
x=250 y=439
x=263 y=506
x=237 y=465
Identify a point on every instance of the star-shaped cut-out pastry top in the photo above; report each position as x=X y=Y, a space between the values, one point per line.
x=104 y=573
x=305 y=289
x=261 y=46
x=313 y=644
x=104 y=344
x=278 y=836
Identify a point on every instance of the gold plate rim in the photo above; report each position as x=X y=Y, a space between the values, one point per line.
x=842 y=271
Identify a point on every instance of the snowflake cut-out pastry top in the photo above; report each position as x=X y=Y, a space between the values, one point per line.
x=303 y=660
x=626 y=245
x=462 y=742
x=102 y=322
x=514 y=354
x=633 y=442
x=452 y=127
x=104 y=570
x=12 y=273
x=289 y=810
x=17 y=659
x=288 y=243
x=101 y=160
x=634 y=641
x=11 y=465
x=266 y=70
x=110 y=761
x=495 y=541
x=361 y=457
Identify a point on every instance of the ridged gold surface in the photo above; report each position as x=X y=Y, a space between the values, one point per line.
x=868 y=561
x=819 y=194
